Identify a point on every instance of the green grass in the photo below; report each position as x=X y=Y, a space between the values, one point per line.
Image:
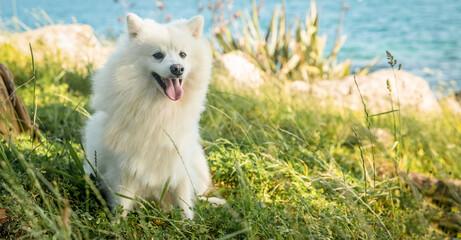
x=288 y=167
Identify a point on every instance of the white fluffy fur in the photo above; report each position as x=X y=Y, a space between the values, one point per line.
x=141 y=138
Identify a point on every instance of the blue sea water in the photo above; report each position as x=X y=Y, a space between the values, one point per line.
x=424 y=35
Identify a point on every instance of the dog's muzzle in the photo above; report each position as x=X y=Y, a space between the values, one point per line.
x=172 y=87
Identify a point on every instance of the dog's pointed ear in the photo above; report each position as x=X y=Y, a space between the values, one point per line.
x=195 y=25
x=134 y=24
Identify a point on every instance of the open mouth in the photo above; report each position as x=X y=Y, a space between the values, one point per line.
x=172 y=87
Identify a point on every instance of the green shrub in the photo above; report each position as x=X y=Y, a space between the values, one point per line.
x=294 y=52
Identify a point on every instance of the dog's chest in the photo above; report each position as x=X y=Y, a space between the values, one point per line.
x=153 y=139
x=161 y=145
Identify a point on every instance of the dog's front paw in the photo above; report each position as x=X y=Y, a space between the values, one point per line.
x=214 y=200
x=187 y=214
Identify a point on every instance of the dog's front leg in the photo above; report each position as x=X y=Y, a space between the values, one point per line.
x=185 y=198
x=126 y=200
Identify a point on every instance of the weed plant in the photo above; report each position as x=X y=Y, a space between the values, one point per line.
x=288 y=50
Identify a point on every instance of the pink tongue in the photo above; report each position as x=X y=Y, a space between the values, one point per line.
x=173 y=88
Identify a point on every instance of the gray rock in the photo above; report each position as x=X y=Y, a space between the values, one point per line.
x=244 y=74
x=75 y=45
x=412 y=91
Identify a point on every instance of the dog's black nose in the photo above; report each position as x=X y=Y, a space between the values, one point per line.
x=177 y=69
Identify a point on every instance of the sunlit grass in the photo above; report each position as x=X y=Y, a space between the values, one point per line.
x=290 y=166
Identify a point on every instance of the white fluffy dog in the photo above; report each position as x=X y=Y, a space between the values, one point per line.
x=148 y=97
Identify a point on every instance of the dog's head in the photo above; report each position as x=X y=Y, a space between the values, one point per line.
x=167 y=52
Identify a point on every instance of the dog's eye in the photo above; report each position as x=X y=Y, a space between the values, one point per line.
x=182 y=54
x=158 y=55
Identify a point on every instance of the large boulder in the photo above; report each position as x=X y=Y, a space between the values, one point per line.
x=412 y=91
x=75 y=45
x=242 y=72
